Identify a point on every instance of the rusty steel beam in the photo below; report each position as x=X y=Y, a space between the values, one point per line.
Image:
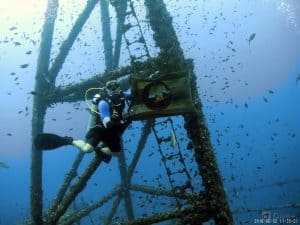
x=113 y=210
x=173 y=60
x=198 y=133
x=141 y=144
x=146 y=131
x=106 y=35
x=68 y=43
x=39 y=112
x=75 y=216
x=125 y=182
x=193 y=214
x=112 y=62
x=120 y=6
x=67 y=181
x=164 y=192
x=75 y=189
x=75 y=92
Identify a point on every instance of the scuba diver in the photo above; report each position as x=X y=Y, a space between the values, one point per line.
x=106 y=125
x=107 y=121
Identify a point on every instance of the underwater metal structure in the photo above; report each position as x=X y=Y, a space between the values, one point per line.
x=202 y=206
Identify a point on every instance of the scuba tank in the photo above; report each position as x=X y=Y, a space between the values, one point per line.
x=113 y=95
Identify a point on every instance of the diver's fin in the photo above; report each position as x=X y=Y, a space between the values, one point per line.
x=47 y=141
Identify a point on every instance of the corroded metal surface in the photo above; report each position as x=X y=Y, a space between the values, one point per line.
x=192 y=214
x=199 y=208
x=166 y=39
x=75 y=189
x=39 y=111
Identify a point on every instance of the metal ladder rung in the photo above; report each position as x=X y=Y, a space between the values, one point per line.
x=133 y=21
x=128 y=13
x=170 y=173
x=164 y=139
x=140 y=40
x=161 y=140
x=136 y=58
x=132 y=9
x=183 y=187
x=162 y=122
x=128 y=26
x=179 y=171
x=131 y=14
x=170 y=157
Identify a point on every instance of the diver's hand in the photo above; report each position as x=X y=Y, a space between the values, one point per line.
x=126 y=122
x=120 y=125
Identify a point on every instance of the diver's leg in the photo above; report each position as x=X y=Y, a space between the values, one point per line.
x=104 y=153
x=83 y=146
x=113 y=142
x=87 y=146
x=92 y=139
x=95 y=136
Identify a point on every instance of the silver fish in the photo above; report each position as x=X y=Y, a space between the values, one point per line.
x=252 y=36
x=298 y=78
x=4 y=165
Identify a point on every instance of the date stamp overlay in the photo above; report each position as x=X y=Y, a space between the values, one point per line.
x=268 y=217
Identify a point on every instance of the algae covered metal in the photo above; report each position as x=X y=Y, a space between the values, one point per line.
x=177 y=84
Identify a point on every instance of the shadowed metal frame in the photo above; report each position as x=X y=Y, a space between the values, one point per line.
x=212 y=204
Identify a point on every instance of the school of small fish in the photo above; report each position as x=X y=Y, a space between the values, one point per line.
x=173 y=137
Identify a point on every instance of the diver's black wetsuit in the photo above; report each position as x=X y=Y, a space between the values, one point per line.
x=110 y=134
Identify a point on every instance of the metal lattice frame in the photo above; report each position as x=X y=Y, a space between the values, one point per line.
x=171 y=59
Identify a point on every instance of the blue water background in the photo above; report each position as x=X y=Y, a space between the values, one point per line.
x=250 y=100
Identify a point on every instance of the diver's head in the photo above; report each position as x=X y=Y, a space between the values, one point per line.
x=112 y=85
